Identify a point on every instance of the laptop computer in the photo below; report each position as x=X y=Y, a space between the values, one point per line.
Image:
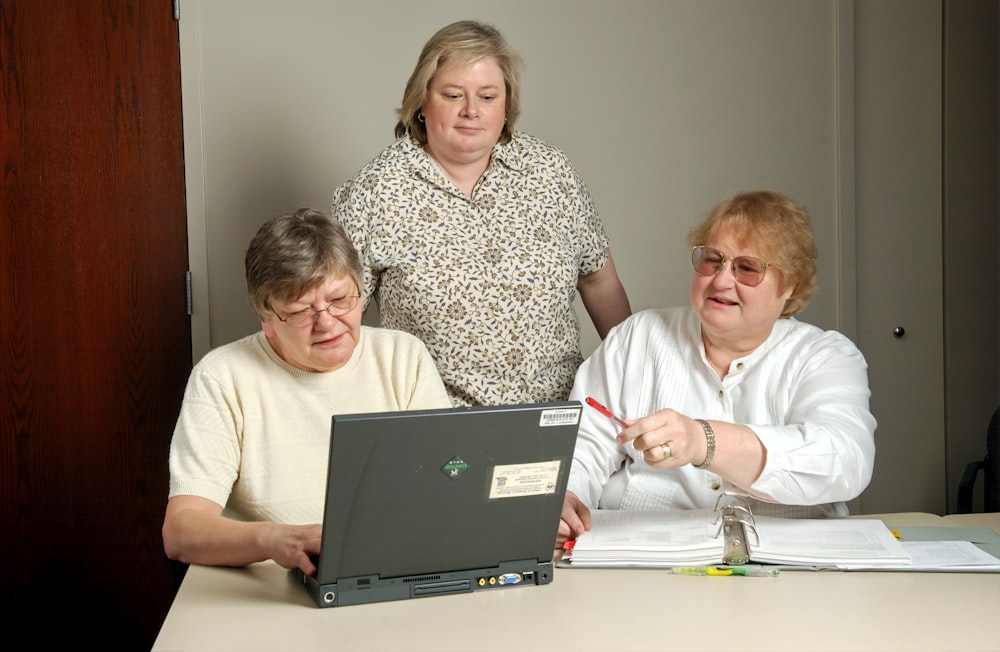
x=436 y=502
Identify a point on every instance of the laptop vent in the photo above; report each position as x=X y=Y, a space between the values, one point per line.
x=425 y=578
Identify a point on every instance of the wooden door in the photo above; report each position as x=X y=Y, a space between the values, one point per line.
x=95 y=342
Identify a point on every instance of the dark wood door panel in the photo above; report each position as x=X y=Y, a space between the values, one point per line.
x=95 y=340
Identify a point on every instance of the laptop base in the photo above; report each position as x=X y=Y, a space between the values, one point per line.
x=368 y=589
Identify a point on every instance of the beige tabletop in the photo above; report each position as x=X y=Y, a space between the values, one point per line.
x=263 y=608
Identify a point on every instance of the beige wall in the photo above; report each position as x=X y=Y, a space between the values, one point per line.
x=664 y=107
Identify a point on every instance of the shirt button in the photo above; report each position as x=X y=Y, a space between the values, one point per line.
x=715 y=486
x=739 y=366
x=721 y=393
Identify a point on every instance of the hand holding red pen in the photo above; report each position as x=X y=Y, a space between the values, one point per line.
x=665 y=437
x=575 y=517
x=668 y=439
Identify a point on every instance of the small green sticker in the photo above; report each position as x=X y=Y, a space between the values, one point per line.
x=455 y=466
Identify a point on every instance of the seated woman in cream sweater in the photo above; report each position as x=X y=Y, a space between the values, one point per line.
x=249 y=455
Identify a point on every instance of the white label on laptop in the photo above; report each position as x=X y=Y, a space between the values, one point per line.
x=559 y=417
x=533 y=479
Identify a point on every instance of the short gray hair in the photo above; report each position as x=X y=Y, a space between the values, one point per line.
x=295 y=252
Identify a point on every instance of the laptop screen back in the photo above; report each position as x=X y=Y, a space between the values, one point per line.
x=428 y=491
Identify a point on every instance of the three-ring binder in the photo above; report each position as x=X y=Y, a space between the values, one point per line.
x=735 y=520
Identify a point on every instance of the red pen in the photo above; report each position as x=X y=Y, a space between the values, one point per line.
x=605 y=411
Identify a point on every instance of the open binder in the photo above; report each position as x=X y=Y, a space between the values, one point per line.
x=731 y=534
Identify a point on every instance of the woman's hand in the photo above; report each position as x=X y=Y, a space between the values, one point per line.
x=292 y=546
x=667 y=438
x=575 y=519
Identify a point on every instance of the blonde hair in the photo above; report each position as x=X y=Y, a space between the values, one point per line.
x=773 y=224
x=465 y=41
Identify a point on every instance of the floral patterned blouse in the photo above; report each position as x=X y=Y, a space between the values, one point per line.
x=488 y=283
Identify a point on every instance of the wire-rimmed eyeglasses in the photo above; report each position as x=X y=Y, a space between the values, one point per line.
x=747 y=270
x=308 y=317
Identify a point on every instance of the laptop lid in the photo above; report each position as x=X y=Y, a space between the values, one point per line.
x=431 y=502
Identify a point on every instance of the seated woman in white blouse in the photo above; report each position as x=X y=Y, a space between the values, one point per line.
x=732 y=393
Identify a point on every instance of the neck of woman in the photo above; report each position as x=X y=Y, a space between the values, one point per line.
x=721 y=356
x=464 y=174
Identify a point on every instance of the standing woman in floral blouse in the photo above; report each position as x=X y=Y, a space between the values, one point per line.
x=475 y=237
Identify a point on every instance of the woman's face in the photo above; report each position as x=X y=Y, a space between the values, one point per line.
x=327 y=342
x=465 y=110
x=733 y=314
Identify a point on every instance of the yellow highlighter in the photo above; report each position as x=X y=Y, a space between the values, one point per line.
x=726 y=571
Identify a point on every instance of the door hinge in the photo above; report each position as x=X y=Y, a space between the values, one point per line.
x=187 y=292
x=177 y=9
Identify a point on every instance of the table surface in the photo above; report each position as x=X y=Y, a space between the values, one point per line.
x=264 y=607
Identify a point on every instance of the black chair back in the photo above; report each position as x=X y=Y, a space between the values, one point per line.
x=990 y=466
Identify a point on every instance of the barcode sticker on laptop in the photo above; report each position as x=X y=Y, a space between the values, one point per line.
x=559 y=417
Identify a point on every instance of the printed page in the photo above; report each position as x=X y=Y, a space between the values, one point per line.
x=628 y=538
x=954 y=556
x=826 y=542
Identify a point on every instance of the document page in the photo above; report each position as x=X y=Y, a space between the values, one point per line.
x=826 y=542
x=628 y=538
x=953 y=556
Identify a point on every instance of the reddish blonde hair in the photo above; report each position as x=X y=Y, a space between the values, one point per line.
x=777 y=227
